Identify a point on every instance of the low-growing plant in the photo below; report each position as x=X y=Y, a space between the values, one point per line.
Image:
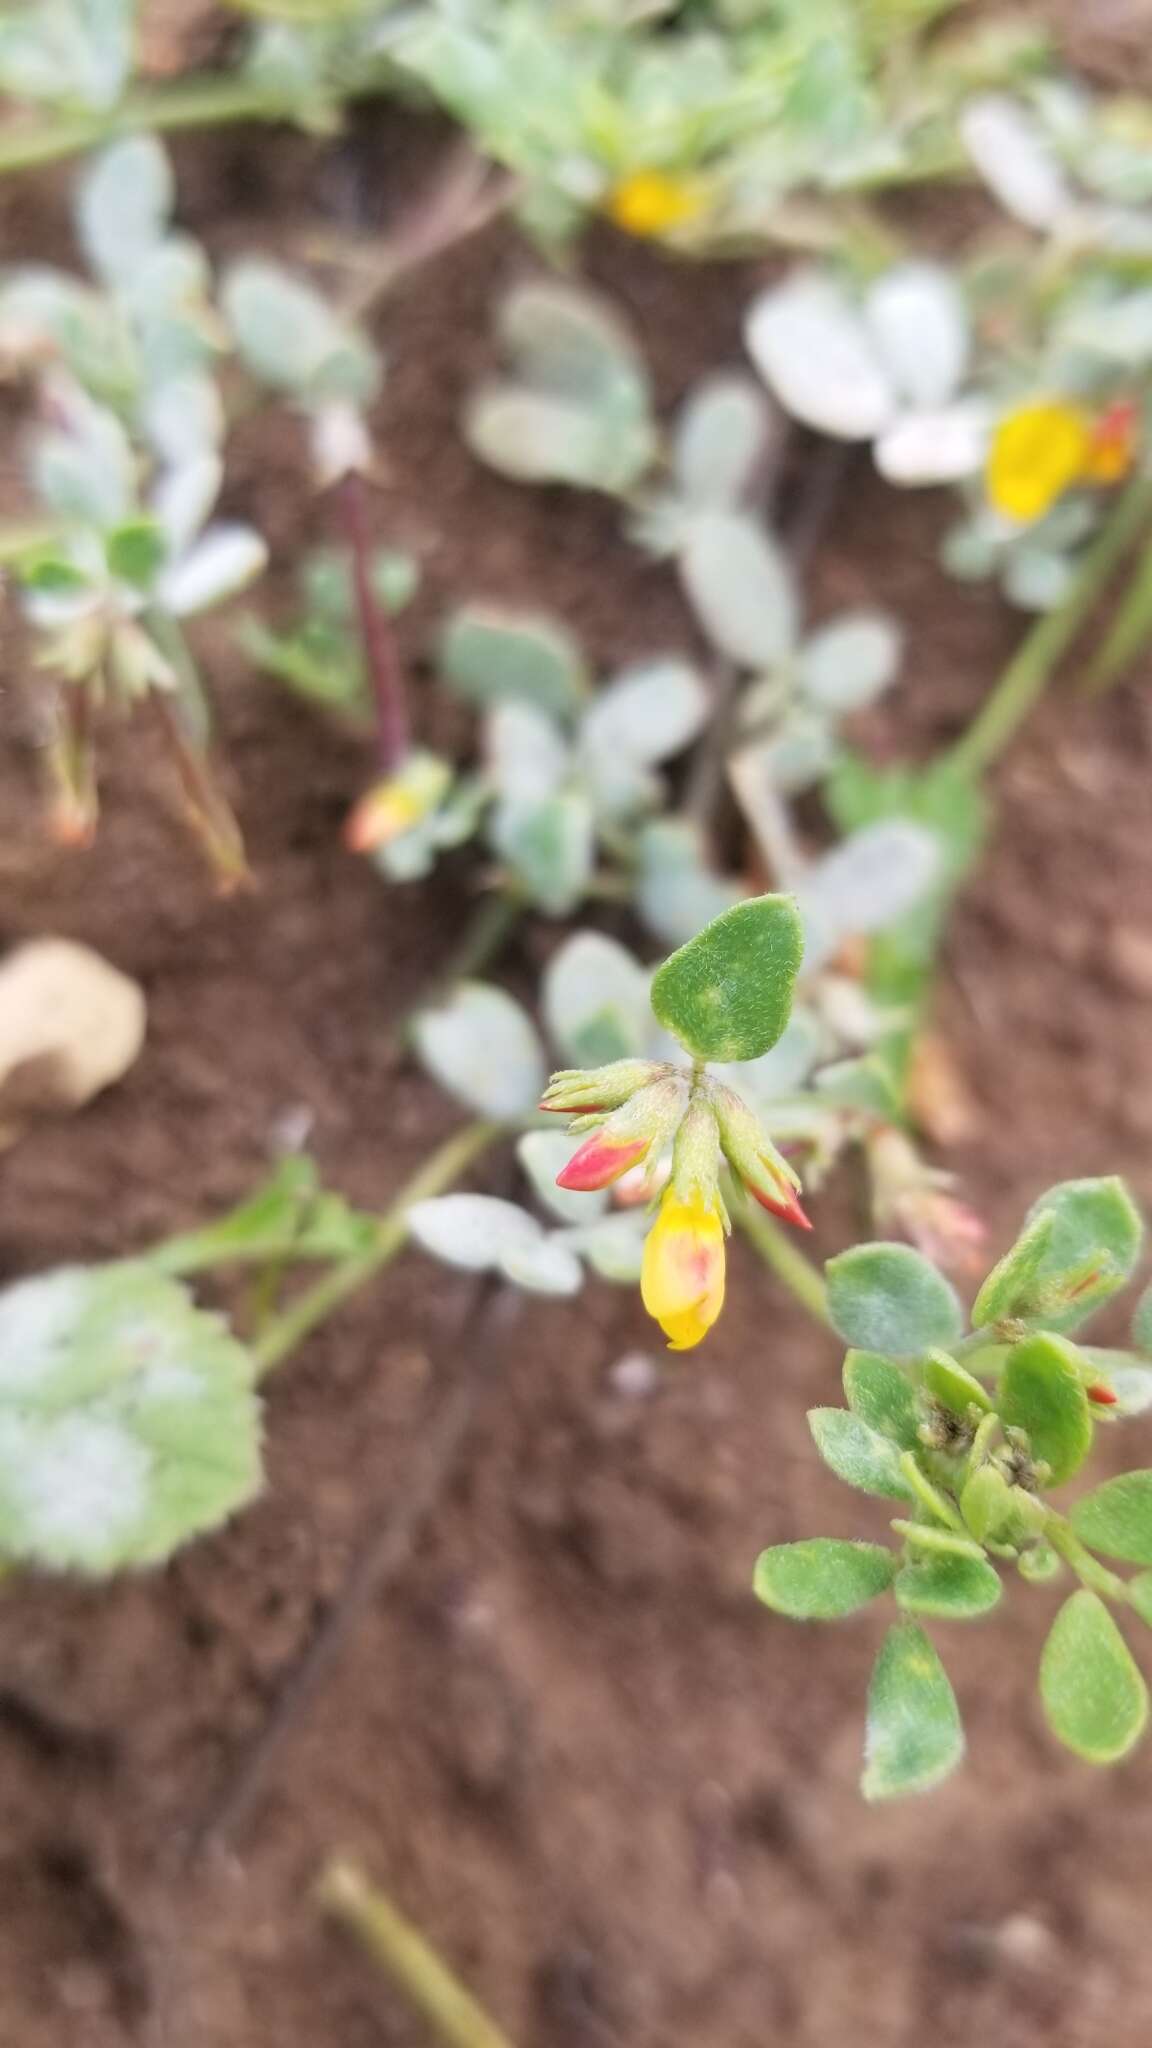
x=126 y=468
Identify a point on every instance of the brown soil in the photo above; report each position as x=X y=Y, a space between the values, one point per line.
x=620 y=1796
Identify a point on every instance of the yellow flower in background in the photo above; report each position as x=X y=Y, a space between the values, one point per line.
x=653 y=202
x=395 y=806
x=1037 y=452
x=682 y=1278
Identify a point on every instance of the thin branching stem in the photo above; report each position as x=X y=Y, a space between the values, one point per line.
x=414 y=1967
x=377 y=635
x=198 y=103
x=1030 y=670
x=789 y=1264
x=301 y=1317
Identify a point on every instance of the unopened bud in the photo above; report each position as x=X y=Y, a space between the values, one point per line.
x=594 y=1091
x=753 y=1157
x=641 y=1127
x=395 y=806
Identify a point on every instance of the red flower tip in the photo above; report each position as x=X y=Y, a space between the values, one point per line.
x=785 y=1204
x=1103 y=1396
x=598 y=1163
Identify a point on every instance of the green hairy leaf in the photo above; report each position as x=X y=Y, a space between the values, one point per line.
x=822 y=1579
x=1010 y=1289
x=955 y=1388
x=1041 y=1391
x=857 y=1454
x=954 y=1588
x=727 y=994
x=883 y=1397
x=1093 y=1694
x=128 y=1419
x=1117 y=1518
x=1096 y=1237
x=887 y=1298
x=487 y=654
x=483 y=1048
x=914 y=1736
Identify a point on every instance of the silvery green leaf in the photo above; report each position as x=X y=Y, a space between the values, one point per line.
x=224 y=562
x=167 y=301
x=474 y=1232
x=941 y=447
x=740 y=587
x=544 y=1154
x=67 y=51
x=595 y=1001
x=871 y=879
x=84 y=471
x=123 y=205
x=409 y=857
x=290 y=338
x=918 y=321
x=183 y=496
x=1117 y=328
x=816 y=354
x=489 y=653
x=677 y=894
x=971 y=549
x=1037 y=578
x=567 y=341
x=851 y=661
x=128 y=1419
x=613 y=1245
x=483 y=1048
x=541 y=437
x=1016 y=161
x=646 y=714
x=720 y=440
x=796 y=755
x=183 y=419
x=546 y=1266
x=43 y=310
x=549 y=844
x=526 y=755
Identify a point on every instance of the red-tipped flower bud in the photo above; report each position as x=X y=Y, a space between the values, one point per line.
x=642 y=1126
x=753 y=1157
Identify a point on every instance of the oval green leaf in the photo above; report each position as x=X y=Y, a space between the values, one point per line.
x=953 y=1386
x=727 y=994
x=954 y=1588
x=883 y=1396
x=914 y=1736
x=1010 y=1289
x=1097 y=1232
x=1094 y=1696
x=886 y=1298
x=1041 y=1391
x=1116 y=1518
x=822 y=1579
x=857 y=1454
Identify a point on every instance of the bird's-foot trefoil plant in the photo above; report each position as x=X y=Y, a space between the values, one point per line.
x=967 y=1428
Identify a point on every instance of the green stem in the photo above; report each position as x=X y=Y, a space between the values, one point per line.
x=1096 y=1576
x=495 y=919
x=408 y=1959
x=195 y=708
x=197 y=103
x=438 y=1172
x=777 y=1250
x=1128 y=633
x=1029 y=672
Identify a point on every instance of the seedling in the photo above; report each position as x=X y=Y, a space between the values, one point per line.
x=126 y=468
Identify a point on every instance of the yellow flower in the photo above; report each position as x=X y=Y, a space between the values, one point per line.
x=1037 y=452
x=652 y=202
x=682 y=1278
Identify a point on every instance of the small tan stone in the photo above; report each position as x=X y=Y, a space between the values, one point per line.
x=70 y=1025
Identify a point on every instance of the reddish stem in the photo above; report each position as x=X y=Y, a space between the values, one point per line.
x=381 y=655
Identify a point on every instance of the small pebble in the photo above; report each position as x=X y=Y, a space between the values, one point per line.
x=635 y=1376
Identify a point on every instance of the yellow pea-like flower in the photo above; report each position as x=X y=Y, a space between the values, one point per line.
x=682 y=1278
x=652 y=202
x=1037 y=452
